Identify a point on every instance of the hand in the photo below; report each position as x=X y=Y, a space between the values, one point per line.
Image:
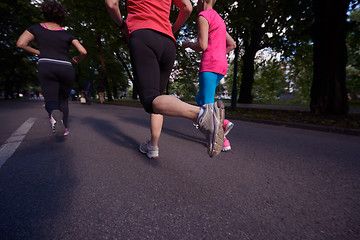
x=185 y=43
x=125 y=33
x=76 y=59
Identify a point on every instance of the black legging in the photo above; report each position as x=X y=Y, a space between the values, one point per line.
x=56 y=80
x=152 y=58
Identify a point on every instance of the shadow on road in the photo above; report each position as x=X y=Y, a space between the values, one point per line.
x=111 y=132
x=36 y=186
x=167 y=129
x=117 y=136
x=182 y=135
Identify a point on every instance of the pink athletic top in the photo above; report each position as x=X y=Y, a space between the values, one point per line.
x=214 y=57
x=149 y=14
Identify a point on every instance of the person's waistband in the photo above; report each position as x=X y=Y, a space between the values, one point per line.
x=54 y=61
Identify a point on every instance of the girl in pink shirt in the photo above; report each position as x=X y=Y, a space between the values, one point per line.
x=214 y=42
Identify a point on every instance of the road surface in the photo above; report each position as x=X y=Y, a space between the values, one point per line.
x=276 y=183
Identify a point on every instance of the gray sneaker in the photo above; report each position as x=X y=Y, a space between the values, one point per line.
x=150 y=151
x=210 y=124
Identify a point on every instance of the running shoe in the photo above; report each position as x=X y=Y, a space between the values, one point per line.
x=210 y=124
x=150 y=151
x=227 y=126
x=226 y=147
x=52 y=123
x=57 y=125
x=66 y=132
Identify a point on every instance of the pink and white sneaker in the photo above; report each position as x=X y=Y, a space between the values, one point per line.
x=227 y=126
x=226 y=147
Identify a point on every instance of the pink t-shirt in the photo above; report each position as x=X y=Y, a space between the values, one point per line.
x=214 y=57
x=149 y=14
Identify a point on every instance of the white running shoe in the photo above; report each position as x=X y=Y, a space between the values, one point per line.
x=210 y=123
x=66 y=132
x=52 y=123
x=56 y=122
x=150 y=151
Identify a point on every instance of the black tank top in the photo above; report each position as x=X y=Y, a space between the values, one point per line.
x=52 y=44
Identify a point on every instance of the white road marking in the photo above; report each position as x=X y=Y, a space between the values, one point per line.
x=14 y=141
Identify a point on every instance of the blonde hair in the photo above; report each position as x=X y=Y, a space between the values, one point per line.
x=211 y=1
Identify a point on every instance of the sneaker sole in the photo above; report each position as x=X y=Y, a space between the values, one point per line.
x=218 y=137
x=226 y=149
x=228 y=128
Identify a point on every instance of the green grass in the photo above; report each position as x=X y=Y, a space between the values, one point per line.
x=354 y=104
x=349 y=121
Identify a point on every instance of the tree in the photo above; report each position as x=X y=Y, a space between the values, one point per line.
x=261 y=24
x=90 y=21
x=353 y=46
x=270 y=80
x=328 y=91
x=18 y=69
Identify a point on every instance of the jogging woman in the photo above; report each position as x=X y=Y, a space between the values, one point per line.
x=214 y=42
x=55 y=71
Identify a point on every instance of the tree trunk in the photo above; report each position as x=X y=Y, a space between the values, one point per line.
x=251 y=46
x=103 y=67
x=115 y=92
x=135 y=92
x=248 y=74
x=328 y=91
x=234 y=88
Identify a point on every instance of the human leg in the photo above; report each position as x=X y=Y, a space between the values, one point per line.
x=49 y=86
x=171 y=106
x=151 y=148
x=152 y=67
x=50 y=89
x=208 y=82
x=150 y=53
x=209 y=118
x=156 y=122
x=152 y=57
x=101 y=95
x=66 y=75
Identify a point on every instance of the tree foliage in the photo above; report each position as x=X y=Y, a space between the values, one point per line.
x=353 y=46
x=287 y=27
x=17 y=68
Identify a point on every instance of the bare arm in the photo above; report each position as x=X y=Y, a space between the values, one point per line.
x=24 y=40
x=230 y=43
x=184 y=13
x=81 y=50
x=112 y=7
x=203 y=36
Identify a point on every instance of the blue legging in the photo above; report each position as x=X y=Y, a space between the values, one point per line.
x=208 y=82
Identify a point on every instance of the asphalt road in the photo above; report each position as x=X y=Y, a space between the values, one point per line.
x=276 y=183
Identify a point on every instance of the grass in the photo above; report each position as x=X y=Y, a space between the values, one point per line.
x=349 y=121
